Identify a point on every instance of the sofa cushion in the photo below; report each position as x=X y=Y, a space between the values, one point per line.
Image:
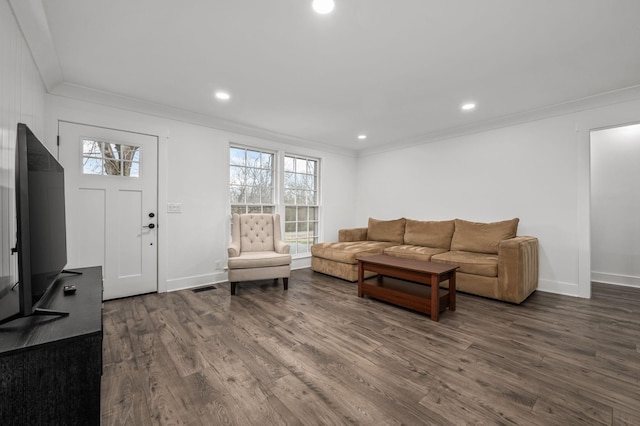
x=482 y=237
x=429 y=234
x=386 y=230
x=413 y=252
x=471 y=263
x=347 y=252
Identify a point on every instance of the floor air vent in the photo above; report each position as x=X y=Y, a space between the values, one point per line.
x=201 y=289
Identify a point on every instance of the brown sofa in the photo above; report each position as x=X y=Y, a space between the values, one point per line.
x=493 y=262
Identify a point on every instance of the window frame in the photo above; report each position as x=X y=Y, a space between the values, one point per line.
x=99 y=155
x=278 y=180
x=308 y=220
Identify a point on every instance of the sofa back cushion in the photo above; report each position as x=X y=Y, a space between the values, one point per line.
x=386 y=230
x=436 y=234
x=482 y=237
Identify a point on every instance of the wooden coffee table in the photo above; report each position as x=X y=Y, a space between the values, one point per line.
x=409 y=289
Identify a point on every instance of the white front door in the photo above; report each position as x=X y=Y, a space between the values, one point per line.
x=111 y=181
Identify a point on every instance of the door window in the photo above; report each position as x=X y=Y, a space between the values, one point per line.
x=110 y=159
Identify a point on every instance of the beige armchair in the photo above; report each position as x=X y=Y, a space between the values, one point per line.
x=257 y=251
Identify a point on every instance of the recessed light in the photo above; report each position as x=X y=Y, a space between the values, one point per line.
x=223 y=96
x=468 y=106
x=362 y=137
x=323 y=6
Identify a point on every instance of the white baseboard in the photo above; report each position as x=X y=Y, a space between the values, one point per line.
x=557 y=287
x=196 y=281
x=185 y=283
x=617 y=279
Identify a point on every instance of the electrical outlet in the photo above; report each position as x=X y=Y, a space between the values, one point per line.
x=218 y=265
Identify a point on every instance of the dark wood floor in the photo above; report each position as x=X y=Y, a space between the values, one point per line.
x=317 y=354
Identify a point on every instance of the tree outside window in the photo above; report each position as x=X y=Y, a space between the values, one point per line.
x=251 y=179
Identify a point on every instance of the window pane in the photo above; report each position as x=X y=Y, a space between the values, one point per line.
x=253 y=159
x=290 y=214
x=289 y=164
x=237 y=175
x=289 y=180
x=311 y=167
x=266 y=160
x=301 y=165
x=267 y=195
x=302 y=214
x=237 y=195
x=91 y=166
x=289 y=196
x=237 y=156
x=254 y=209
x=313 y=229
x=266 y=178
x=290 y=229
x=268 y=209
x=91 y=149
x=238 y=209
x=309 y=182
x=113 y=150
x=253 y=195
x=112 y=167
x=131 y=169
x=313 y=213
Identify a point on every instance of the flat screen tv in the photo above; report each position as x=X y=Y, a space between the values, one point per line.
x=40 y=225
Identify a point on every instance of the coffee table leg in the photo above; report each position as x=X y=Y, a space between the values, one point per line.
x=452 y=291
x=435 y=297
x=360 y=278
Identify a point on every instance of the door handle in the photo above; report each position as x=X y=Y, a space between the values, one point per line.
x=150 y=226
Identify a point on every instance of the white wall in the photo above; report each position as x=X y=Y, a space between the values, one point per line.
x=537 y=171
x=615 y=205
x=21 y=100
x=193 y=170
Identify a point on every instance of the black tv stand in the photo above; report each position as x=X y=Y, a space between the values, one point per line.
x=51 y=370
x=36 y=311
x=52 y=312
x=70 y=271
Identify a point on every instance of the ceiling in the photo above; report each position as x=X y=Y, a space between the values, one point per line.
x=397 y=71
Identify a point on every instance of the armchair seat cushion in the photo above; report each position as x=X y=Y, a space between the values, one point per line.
x=482 y=264
x=259 y=259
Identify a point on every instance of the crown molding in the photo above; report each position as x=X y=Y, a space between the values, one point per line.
x=73 y=91
x=34 y=26
x=590 y=102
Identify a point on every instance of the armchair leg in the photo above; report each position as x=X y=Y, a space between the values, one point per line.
x=233 y=288
x=285 y=283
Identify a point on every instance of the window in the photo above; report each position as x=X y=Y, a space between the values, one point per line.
x=301 y=203
x=110 y=159
x=255 y=177
x=251 y=181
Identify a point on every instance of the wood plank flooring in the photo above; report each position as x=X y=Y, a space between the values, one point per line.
x=318 y=354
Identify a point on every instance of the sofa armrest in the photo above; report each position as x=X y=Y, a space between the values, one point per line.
x=517 y=268
x=234 y=250
x=352 y=234
x=281 y=247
